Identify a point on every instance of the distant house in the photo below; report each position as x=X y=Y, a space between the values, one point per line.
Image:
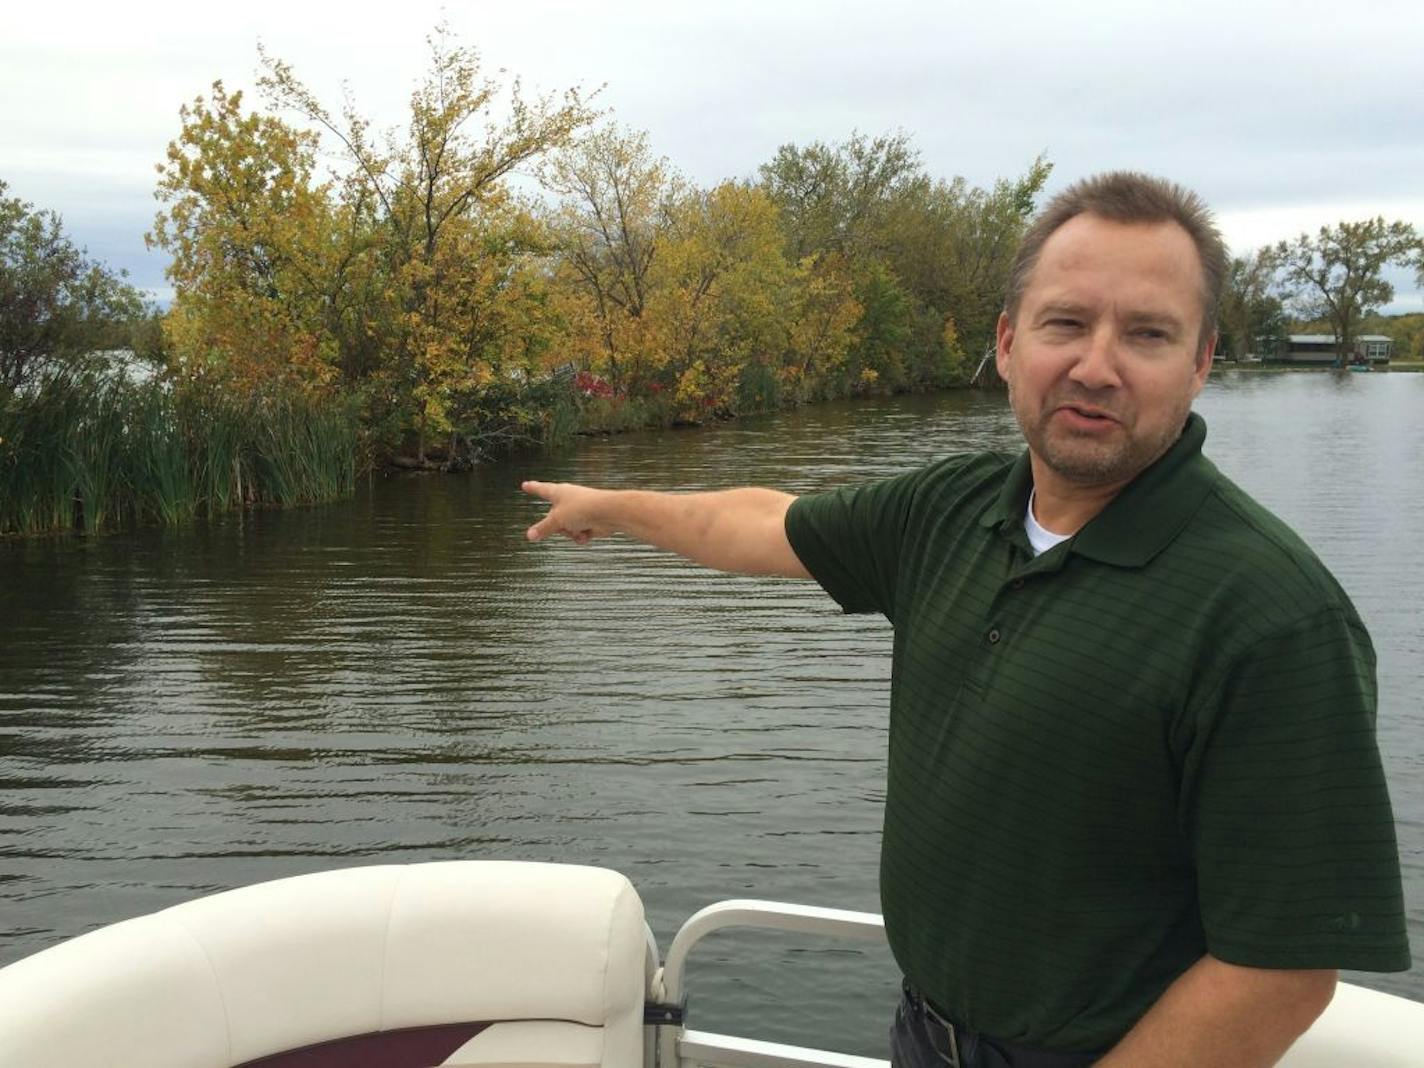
x=1322 y=350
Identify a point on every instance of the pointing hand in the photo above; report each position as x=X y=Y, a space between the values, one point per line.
x=571 y=512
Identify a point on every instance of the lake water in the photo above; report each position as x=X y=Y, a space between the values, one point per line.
x=404 y=678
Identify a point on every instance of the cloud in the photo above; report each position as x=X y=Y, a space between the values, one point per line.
x=1283 y=115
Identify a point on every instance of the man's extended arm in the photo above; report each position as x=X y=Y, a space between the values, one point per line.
x=1226 y=1016
x=741 y=530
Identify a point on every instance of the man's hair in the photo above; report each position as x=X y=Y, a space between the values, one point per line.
x=1128 y=197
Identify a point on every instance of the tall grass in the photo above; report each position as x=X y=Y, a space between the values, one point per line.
x=162 y=483
x=86 y=450
x=302 y=453
x=37 y=484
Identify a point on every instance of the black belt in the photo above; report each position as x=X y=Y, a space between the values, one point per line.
x=959 y=1047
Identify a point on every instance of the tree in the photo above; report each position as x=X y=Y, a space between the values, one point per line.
x=440 y=195
x=723 y=298
x=883 y=332
x=55 y=304
x=831 y=197
x=1251 y=316
x=824 y=317
x=250 y=234
x=946 y=246
x=1338 y=274
x=615 y=212
x=952 y=244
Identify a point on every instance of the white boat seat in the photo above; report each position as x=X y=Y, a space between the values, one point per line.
x=394 y=966
x=1363 y=1029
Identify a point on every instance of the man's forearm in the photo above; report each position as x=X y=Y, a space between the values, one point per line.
x=731 y=530
x=1226 y=1016
x=741 y=530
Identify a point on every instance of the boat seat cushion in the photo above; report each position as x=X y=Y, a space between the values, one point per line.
x=244 y=975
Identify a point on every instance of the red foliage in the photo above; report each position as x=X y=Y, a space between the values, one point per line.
x=590 y=385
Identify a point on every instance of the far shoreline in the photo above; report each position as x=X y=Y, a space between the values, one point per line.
x=1255 y=367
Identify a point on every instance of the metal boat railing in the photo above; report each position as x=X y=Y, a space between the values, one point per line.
x=1362 y=1028
x=677 y=1047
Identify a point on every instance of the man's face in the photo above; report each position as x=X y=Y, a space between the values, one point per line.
x=1104 y=356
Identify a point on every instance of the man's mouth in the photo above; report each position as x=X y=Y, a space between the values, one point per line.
x=1088 y=412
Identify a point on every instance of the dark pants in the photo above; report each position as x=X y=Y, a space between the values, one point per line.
x=921 y=1038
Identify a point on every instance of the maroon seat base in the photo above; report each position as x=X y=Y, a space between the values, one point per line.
x=414 y=1047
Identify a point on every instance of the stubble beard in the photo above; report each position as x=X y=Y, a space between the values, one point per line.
x=1088 y=460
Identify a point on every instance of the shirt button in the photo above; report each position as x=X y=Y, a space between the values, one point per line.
x=1017 y=584
x=994 y=636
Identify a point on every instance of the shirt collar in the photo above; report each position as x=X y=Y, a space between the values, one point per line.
x=1141 y=520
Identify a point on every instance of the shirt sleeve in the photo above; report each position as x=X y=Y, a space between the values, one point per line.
x=1288 y=811
x=850 y=540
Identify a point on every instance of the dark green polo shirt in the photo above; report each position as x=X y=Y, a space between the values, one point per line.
x=1153 y=741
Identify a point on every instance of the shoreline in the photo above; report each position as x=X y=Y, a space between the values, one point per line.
x=1397 y=366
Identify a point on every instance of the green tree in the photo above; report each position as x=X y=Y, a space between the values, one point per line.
x=832 y=198
x=1338 y=274
x=884 y=331
x=946 y=245
x=1251 y=317
x=952 y=244
x=56 y=305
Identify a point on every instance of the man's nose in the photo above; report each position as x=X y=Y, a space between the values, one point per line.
x=1097 y=364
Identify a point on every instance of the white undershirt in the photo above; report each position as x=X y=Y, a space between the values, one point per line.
x=1040 y=538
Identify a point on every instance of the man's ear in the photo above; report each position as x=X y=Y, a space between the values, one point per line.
x=1003 y=343
x=1204 y=361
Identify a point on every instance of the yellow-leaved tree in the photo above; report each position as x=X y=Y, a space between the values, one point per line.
x=723 y=299
x=456 y=251
x=612 y=217
x=250 y=234
x=823 y=331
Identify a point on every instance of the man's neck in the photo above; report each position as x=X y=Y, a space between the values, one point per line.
x=1064 y=507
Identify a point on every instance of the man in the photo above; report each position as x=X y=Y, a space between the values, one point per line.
x=1135 y=813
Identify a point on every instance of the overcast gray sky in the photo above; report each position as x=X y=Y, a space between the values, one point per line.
x=1285 y=116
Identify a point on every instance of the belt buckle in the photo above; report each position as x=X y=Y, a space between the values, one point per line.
x=950 y=1058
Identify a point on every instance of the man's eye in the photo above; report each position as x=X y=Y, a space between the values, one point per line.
x=1152 y=333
